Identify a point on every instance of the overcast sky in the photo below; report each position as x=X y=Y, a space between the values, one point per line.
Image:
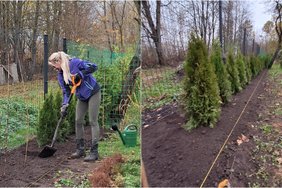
x=260 y=13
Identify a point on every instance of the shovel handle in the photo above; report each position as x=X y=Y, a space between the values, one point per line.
x=56 y=131
x=75 y=85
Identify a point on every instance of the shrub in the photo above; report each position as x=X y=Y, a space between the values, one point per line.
x=241 y=70
x=67 y=126
x=49 y=116
x=221 y=73
x=233 y=73
x=248 y=69
x=254 y=65
x=47 y=121
x=265 y=58
x=202 y=100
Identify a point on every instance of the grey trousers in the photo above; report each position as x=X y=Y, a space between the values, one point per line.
x=92 y=106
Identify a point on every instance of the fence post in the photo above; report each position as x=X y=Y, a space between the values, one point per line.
x=65 y=45
x=45 y=65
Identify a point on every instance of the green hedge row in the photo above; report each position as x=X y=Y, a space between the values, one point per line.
x=209 y=82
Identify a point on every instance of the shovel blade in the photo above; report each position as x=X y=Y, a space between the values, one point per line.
x=47 y=151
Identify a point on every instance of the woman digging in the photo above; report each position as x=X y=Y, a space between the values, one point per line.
x=88 y=94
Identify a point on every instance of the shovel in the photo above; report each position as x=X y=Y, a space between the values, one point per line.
x=49 y=151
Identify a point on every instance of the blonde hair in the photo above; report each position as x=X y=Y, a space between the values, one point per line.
x=63 y=59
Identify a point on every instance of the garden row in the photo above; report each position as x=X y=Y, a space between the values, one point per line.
x=209 y=81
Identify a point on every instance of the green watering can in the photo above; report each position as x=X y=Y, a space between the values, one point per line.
x=128 y=135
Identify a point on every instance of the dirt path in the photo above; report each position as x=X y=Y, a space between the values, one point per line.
x=174 y=157
x=15 y=171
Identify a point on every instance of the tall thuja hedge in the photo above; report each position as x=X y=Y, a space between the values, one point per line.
x=233 y=73
x=265 y=58
x=202 y=100
x=221 y=73
x=254 y=65
x=241 y=70
x=248 y=69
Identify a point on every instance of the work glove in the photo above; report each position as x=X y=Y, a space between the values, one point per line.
x=77 y=78
x=64 y=110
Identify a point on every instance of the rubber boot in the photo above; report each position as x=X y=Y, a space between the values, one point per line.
x=79 y=149
x=93 y=155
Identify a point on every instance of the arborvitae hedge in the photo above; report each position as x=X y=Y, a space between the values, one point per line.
x=266 y=60
x=254 y=66
x=202 y=100
x=221 y=73
x=233 y=73
x=242 y=70
x=248 y=69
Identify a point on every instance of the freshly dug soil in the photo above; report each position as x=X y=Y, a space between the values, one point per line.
x=174 y=157
x=22 y=167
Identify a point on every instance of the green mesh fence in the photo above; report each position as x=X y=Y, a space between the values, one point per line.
x=85 y=51
x=112 y=69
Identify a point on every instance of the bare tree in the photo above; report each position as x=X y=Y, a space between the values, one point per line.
x=33 y=43
x=17 y=10
x=278 y=29
x=154 y=30
x=120 y=21
x=105 y=20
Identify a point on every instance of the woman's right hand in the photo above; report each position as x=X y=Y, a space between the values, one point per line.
x=77 y=78
x=64 y=110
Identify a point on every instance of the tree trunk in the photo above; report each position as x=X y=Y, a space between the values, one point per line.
x=278 y=29
x=105 y=20
x=56 y=28
x=155 y=31
x=33 y=43
x=120 y=24
x=4 y=32
x=17 y=23
x=274 y=56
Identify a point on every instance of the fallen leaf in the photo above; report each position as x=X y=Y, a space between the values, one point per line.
x=279 y=160
x=241 y=139
x=145 y=126
x=239 y=142
x=244 y=138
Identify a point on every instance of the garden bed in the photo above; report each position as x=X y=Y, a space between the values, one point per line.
x=22 y=167
x=174 y=157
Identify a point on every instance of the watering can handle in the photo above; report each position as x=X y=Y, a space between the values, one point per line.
x=128 y=127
